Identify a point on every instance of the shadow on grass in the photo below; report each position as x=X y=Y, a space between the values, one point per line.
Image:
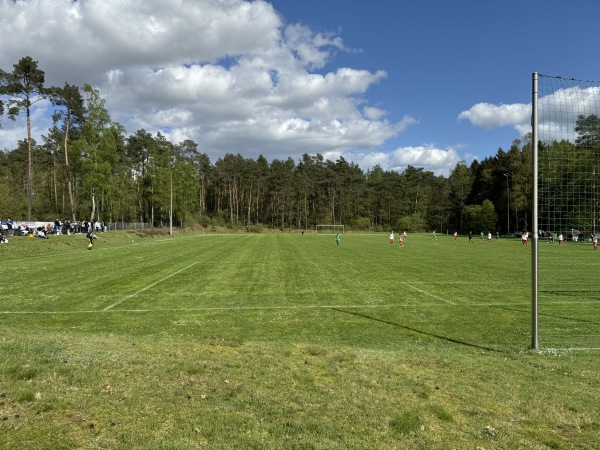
x=414 y=330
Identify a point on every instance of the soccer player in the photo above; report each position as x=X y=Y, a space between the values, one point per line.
x=595 y=240
x=524 y=238
x=400 y=240
x=91 y=236
x=481 y=236
x=455 y=235
x=433 y=236
x=497 y=235
x=404 y=234
x=489 y=237
x=470 y=237
x=392 y=237
x=338 y=239
x=561 y=238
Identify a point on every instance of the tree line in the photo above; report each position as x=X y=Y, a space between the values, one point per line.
x=88 y=168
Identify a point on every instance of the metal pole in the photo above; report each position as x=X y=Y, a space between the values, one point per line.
x=508 y=205
x=535 y=233
x=171 y=208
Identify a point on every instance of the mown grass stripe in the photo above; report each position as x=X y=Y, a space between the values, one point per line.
x=118 y=302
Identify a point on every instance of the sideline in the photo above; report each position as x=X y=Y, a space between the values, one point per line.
x=505 y=306
x=218 y=308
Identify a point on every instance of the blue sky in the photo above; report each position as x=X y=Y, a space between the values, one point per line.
x=442 y=58
x=380 y=82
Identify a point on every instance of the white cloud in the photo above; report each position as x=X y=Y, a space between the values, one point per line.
x=373 y=113
x=489 y=116
x=438 y=161
x=369 y=160
x=231 y=75
x=557 y=112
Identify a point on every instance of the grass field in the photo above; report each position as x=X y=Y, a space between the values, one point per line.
x=284 y=341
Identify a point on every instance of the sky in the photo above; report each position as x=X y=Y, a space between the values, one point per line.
x=379 y=82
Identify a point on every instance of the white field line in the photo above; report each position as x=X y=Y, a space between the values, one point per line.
x=500 y=282
x=118 y=302
x=258 y=308
x=579 y=349
x=238 y=308
x=427 y=293
x=212 y=308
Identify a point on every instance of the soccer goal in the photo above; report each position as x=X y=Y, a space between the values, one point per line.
x=329 y=229
x=566 y=183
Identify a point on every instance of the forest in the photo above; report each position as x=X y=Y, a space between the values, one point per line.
x=88 y=168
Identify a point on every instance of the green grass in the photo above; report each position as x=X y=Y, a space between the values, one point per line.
x=284 y=341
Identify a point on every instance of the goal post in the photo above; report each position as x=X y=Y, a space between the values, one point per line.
x=565 y=135
x=329 y=229
x=535 y=219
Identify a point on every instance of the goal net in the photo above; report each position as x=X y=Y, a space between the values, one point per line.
x=329 y=229
x=566 y=137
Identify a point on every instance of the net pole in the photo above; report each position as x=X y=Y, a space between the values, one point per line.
x=535 y=232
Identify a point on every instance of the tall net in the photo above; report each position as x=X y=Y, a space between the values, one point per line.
x=568 y=275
